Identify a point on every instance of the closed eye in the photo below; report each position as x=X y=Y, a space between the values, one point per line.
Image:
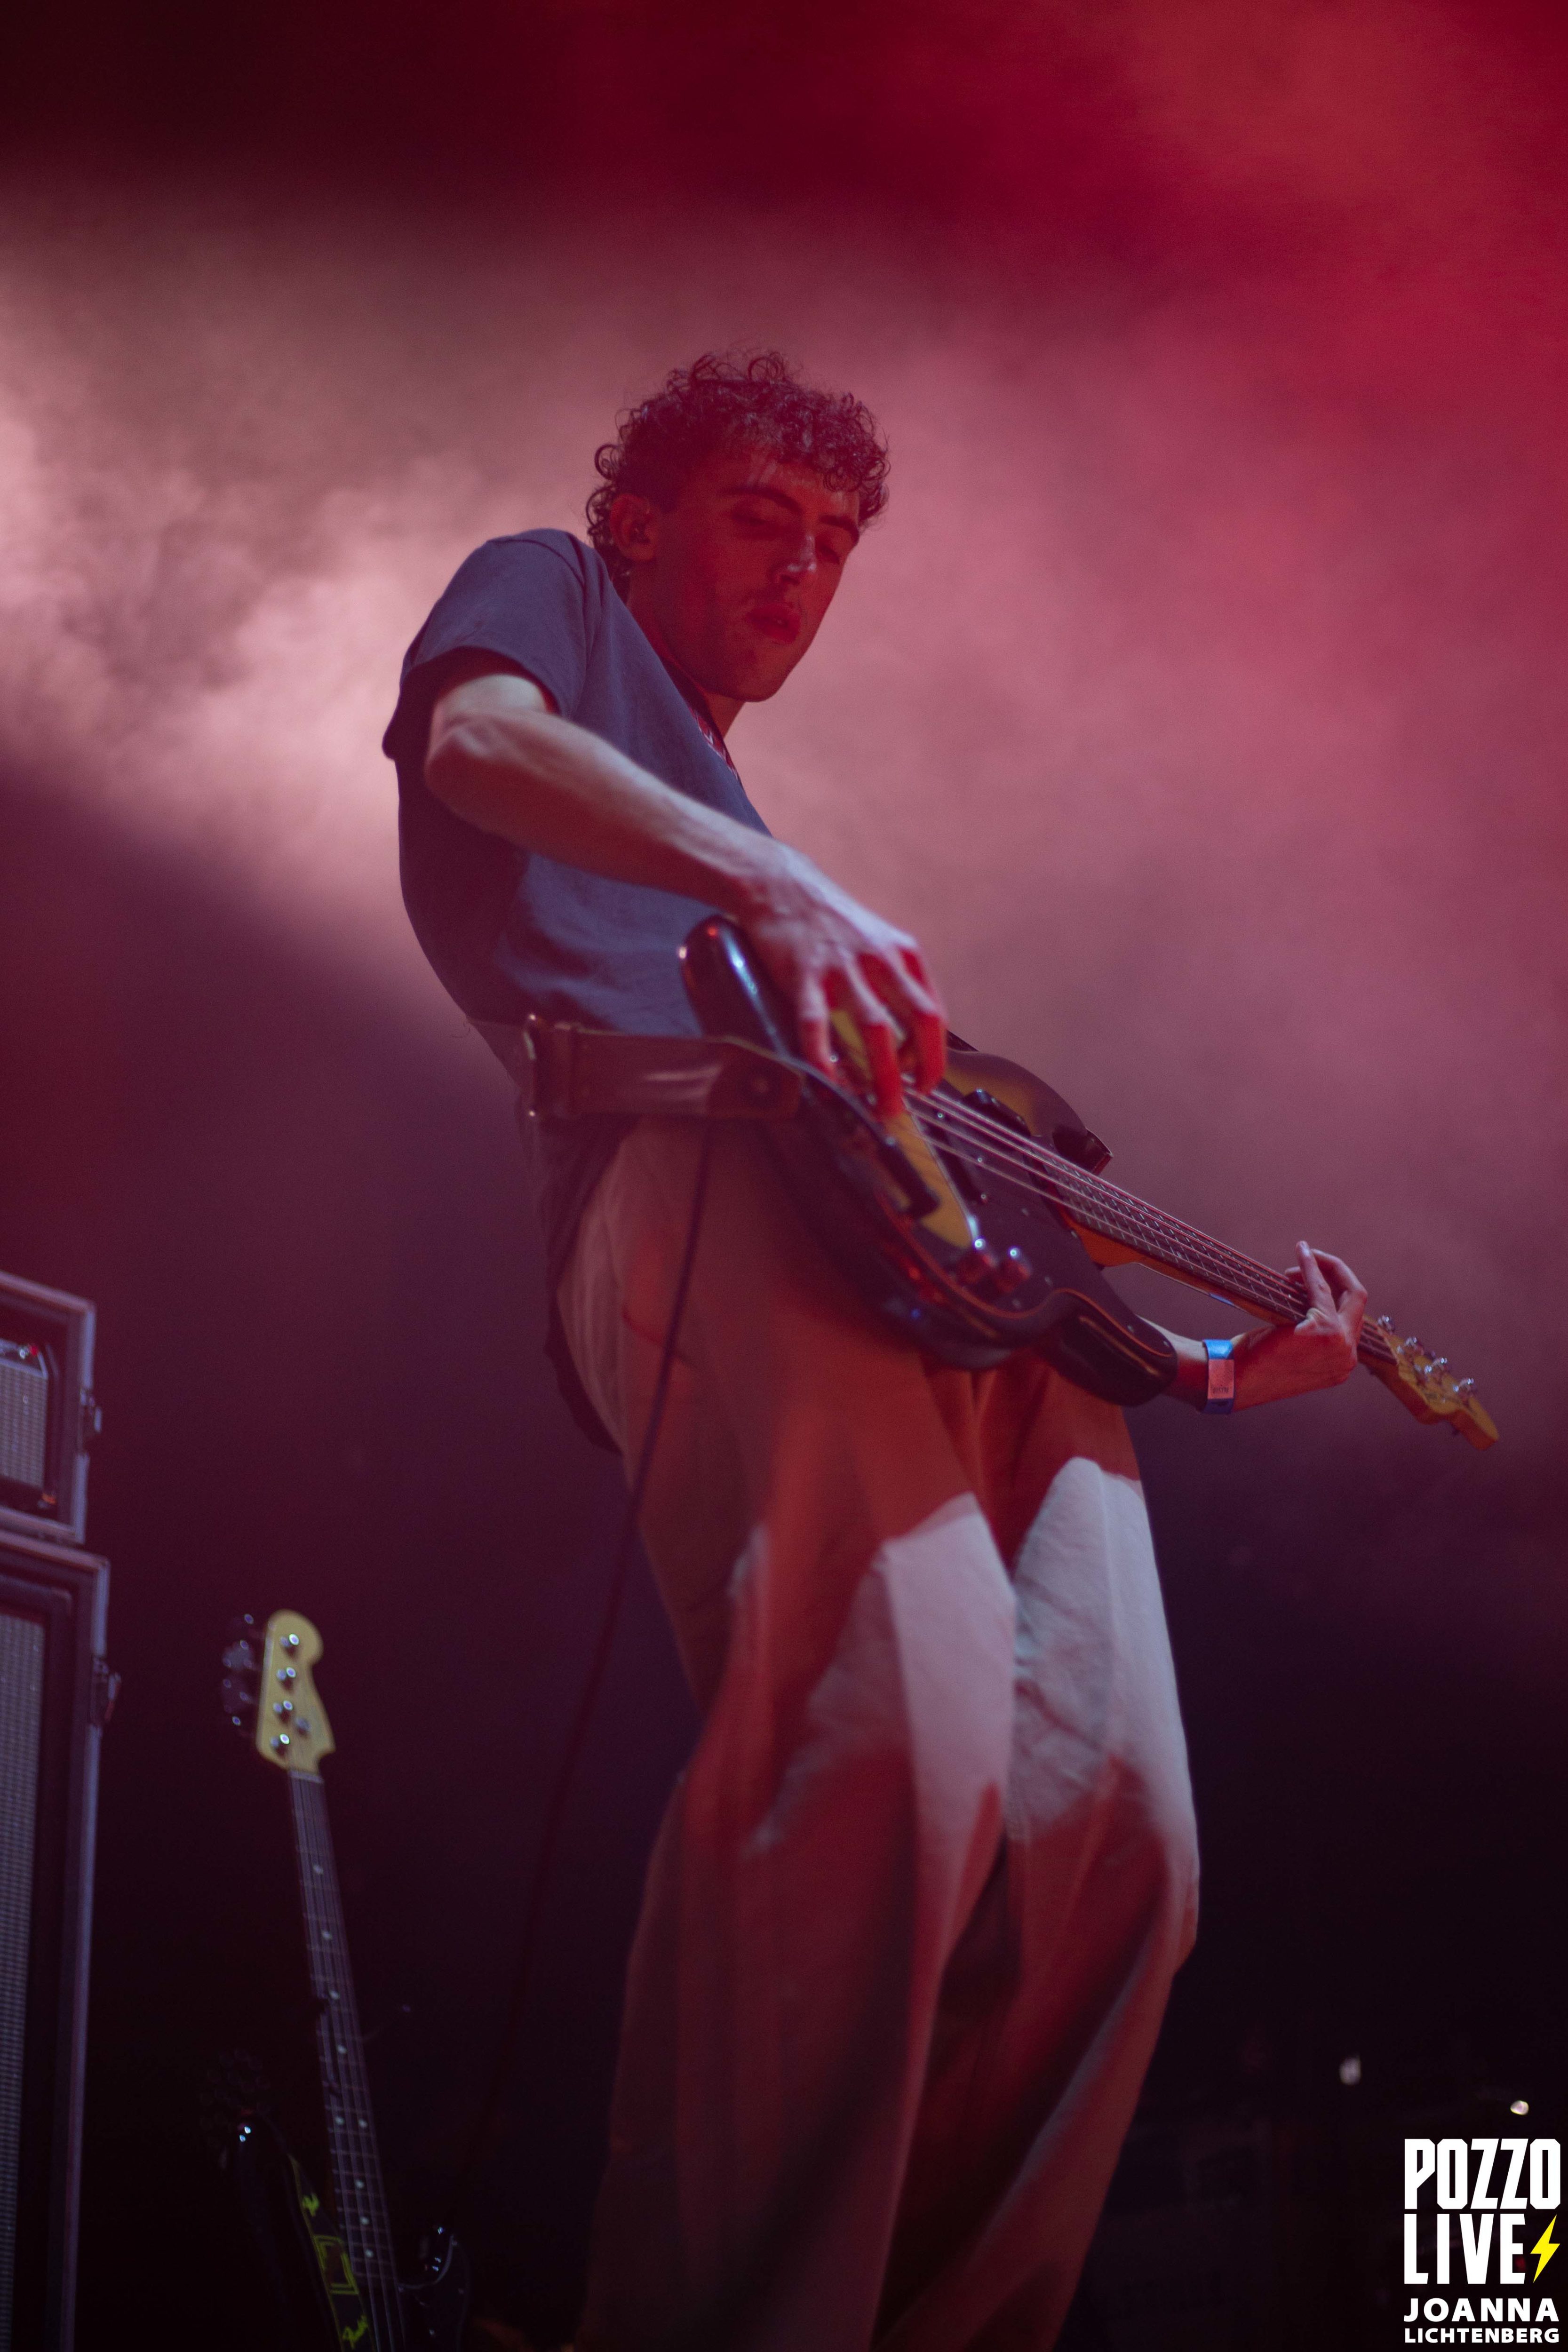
x=770 y=513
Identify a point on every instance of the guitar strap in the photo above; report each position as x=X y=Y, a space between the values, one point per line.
x=565 y=1071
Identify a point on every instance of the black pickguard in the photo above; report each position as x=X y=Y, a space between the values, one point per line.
x=866 y=1202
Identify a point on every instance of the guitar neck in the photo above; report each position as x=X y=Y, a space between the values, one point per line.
x=1151 y=1237
x=1181 y=1251
x=358 y=2191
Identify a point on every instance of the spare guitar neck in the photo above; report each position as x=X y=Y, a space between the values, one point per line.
x=269 y=1694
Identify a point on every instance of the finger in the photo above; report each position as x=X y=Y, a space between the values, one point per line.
x=1347 y=1298
x=814 y=1033
x=883 y=1052
x=929 y=1021
x=924 y=991
x=905 y=990
x=877 y=1036
x=1341 y=1281
x=931 y=1050
x=1319 y=1295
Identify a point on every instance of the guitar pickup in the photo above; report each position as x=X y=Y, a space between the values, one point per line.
x=865 y=1135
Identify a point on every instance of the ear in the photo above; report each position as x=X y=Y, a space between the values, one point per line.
x=634 y=526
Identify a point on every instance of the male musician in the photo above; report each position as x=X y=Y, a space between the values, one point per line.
x=917 y=1901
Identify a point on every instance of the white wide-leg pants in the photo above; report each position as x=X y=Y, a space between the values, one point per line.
x=917 y=1901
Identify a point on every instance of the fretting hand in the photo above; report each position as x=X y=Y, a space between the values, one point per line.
x=1318 y=1353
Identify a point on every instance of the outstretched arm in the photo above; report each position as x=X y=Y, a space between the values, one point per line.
x=500 y=756
x=1281 y=1360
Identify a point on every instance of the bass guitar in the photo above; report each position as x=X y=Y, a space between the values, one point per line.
x=979 y=1221
x=270 y=1696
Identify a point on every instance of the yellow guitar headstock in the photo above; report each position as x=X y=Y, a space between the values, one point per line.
x=1426 y=1387
x=270 y=1694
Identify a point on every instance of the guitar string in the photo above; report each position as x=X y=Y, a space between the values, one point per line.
x=1126 y=1217
x=349 y=2117
x=356 y=2150
x=1123 y=1217
x=1129 y=1218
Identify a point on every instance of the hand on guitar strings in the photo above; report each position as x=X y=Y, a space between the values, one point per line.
x=829 y=954
x=1318 y=1353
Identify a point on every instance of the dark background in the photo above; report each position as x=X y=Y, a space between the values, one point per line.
x=305 y=1220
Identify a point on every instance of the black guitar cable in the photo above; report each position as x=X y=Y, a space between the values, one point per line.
x=482 y=2136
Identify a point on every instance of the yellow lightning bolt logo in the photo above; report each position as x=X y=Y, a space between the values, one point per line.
x=1545 y=2246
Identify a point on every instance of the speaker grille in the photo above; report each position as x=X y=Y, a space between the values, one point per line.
x=24 y=1415
x=21 y=1724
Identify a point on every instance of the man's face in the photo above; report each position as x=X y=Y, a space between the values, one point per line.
x=733 y=580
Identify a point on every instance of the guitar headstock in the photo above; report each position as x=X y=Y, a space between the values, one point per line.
x=268 y=1694
x=1426 y=1387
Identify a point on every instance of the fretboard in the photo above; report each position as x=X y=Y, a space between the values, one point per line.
x=357 y=2189
x=1159 y=1239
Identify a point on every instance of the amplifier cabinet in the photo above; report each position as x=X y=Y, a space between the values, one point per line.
x=53 y=1696
x=48 y=1415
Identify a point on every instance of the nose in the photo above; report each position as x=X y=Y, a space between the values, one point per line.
x=801 y=560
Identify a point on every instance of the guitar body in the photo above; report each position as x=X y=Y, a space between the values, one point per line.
x=967 y=1260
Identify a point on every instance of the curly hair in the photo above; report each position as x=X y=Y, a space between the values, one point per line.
x=735 y=400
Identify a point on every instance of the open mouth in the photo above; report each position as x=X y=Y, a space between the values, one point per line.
x=778 y=623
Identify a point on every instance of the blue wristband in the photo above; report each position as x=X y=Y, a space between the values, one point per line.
x=1221 y=1397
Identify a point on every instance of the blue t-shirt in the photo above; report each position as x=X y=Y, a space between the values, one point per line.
x=511 y=932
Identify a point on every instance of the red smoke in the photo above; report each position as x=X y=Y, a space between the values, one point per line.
x=1200 y=698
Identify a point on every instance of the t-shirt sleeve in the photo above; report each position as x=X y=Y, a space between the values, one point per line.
x=520 y=599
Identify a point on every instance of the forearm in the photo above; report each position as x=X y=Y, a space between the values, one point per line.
x=549 y=785
x=1277 y=1361
x=1259 y=1379
x=501 y=757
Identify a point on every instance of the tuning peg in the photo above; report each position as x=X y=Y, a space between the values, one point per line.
x=239 y=1650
